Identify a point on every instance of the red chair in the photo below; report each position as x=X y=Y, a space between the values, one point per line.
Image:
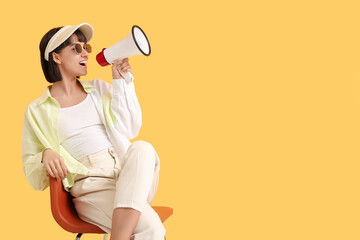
x=65 y=215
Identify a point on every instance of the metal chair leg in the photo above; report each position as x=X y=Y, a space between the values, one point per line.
x=78 y=236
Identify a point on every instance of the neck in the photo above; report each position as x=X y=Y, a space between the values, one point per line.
x=65 y=87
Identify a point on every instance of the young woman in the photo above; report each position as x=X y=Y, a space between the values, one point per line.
x=79 y=131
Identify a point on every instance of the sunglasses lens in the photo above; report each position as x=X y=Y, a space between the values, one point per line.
x=88 y=48
x=78 y=48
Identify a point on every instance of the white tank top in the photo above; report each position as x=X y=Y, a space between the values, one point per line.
x=81 y=131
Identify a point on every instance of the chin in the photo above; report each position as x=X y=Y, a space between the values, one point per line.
x=82 y=74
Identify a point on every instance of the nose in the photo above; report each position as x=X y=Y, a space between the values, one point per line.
x=84 y=53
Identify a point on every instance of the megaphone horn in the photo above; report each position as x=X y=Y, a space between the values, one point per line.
x=135 y=43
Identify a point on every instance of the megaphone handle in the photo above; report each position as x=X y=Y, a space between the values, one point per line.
x=127 y=76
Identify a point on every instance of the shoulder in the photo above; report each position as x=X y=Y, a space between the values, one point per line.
x=34 y=104
x=31 y=109
x=38 y=101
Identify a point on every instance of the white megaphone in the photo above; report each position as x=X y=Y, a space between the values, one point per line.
x=134 y=44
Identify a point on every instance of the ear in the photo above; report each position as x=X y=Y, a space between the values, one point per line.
x=56 y=57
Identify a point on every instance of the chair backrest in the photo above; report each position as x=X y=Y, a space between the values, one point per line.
x=64 y=212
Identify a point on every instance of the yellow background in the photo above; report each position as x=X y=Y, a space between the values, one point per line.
x=252 y=106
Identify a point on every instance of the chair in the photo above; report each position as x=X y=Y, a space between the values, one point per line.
x=65 y=215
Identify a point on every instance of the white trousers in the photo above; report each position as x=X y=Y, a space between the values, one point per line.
x=130 y=181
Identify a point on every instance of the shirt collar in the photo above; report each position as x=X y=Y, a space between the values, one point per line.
x=88 y=87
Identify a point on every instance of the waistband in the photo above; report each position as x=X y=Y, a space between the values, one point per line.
x=95 y=162
x=110 y=150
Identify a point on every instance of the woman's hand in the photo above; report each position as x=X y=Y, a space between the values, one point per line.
x=123 y=66
x=54 y=164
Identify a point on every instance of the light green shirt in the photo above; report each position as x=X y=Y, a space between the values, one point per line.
x=118 y=108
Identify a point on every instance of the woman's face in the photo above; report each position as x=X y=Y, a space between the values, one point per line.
x=71 y=63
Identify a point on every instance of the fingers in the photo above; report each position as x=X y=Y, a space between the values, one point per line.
x=61 y=168
x=64 y=168
x=48 y=169
x=123 y=65
x=57 y=169
x=125 y=69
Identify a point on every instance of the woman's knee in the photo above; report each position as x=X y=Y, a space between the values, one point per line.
x=142 y=146
x=141 y=151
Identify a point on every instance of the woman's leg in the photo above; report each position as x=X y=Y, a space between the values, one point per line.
x=149 y=225
x=135 y=189
x=139 y=176
x=94 y=196
x=124 y=221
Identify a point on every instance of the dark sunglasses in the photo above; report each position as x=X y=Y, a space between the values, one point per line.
x=79 y=48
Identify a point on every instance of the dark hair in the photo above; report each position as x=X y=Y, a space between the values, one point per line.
x=50 y=69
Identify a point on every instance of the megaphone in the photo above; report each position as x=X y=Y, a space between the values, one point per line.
x=135 y=43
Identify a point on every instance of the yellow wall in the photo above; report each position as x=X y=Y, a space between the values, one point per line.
x=252 y=106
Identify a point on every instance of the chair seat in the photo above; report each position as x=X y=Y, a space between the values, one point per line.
x=65 y=215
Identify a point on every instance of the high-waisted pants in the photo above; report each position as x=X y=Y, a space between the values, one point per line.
x=130 y=181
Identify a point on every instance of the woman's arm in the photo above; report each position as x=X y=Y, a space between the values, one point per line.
x=32 y=151
x=124 y=106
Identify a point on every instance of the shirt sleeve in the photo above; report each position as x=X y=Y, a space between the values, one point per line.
x=124 y=105
x=31 y=151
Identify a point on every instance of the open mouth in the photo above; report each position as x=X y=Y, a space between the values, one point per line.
x=83 y=63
